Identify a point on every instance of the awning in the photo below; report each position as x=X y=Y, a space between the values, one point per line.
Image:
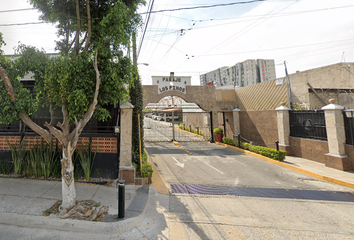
x=169 y=110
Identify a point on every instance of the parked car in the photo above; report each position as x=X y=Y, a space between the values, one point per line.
x=169 y=118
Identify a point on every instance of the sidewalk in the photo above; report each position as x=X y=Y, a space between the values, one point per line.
x=23 y=201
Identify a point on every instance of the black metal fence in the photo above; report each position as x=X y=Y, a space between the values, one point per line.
x=348 y=116
x=308 y=124
x=92 y=128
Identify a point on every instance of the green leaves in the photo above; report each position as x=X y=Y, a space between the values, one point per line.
x=69 y=79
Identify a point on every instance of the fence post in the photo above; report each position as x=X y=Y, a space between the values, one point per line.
x=336 y=158
x=283 y=128
x=236 y=116
x=126 y=168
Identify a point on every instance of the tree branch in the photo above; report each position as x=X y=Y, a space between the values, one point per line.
x=24 y=117
x=77 y=27
x=57 y=133
x=83 y=40
x=87 y=116
x=51 y=111
x=88 y=25
x=7 y=84
x=65 y=125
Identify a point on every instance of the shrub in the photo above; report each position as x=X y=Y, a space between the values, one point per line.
x=18 y=154
x=146 y=170
x=5 y=167
x=218 y=130
x=246 y=146
x=86 y=159
x=228 y=141
x=267 y=152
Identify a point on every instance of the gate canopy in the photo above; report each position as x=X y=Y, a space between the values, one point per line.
x=169 y=110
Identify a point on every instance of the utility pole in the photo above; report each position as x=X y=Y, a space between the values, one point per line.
x=288 y=89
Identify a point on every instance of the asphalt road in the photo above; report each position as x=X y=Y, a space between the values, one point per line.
x=199 y=216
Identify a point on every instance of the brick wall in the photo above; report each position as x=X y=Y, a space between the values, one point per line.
x=103 y=144
x=260 y=127
x=309 y=148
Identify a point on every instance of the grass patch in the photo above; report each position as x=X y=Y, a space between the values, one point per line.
x=53 y=209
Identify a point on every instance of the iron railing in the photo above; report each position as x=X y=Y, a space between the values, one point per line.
x=93 y=127
x=348 y=116
x=308 y=124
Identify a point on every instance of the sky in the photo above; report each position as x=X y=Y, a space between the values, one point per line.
x=305 y=34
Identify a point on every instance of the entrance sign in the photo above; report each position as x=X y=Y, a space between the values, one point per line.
x=166 y=83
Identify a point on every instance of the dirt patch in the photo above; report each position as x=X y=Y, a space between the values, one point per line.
x=86 y=210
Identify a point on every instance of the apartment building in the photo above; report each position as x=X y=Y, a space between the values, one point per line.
x=218 y=77
x=246 y=73
x=266 y=70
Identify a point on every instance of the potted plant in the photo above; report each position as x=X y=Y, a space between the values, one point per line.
x=218 y=134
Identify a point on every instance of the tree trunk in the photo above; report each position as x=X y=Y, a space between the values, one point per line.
x=68 y=187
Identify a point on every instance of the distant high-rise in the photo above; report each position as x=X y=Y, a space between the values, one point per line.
x=242 y=74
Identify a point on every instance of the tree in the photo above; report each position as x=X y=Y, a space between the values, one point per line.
x=89 y=73
x=136 y=98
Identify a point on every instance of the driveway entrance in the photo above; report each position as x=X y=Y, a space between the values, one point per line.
x=189 y=127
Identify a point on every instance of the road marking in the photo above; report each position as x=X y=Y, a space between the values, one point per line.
x=178 y=163
x=212 y=167
x=240 y=162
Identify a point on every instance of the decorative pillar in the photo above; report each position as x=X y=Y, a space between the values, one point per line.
x=126 y=168
x=236 y=116
x=283 y=128
x=336 y=158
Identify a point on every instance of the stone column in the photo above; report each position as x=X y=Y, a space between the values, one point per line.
x=236 y=116
x=284 y=129
x=336 y=158
x=126 y=169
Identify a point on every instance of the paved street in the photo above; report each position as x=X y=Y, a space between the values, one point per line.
x=207 y=216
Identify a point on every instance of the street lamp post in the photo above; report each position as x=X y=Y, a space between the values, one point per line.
x=172 y=75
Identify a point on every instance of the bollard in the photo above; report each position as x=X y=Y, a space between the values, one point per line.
x=121 y=198
x=239 y=140
x=277 y=145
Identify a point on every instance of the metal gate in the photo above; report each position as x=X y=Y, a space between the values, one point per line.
x=187 y=127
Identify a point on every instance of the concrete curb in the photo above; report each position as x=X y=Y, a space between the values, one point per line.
x=157 y=181
x=283 y=164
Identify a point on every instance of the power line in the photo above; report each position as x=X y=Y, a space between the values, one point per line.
x=273 y=49
x=163 y=34
x=250 y=18
x=20 y=24
x=146 y=25
x=256 y=16
x=16 y=10
x=205 y=6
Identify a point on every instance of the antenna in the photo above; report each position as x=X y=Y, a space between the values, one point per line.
x=343 y=58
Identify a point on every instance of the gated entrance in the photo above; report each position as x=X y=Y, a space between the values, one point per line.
x=186 y=127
